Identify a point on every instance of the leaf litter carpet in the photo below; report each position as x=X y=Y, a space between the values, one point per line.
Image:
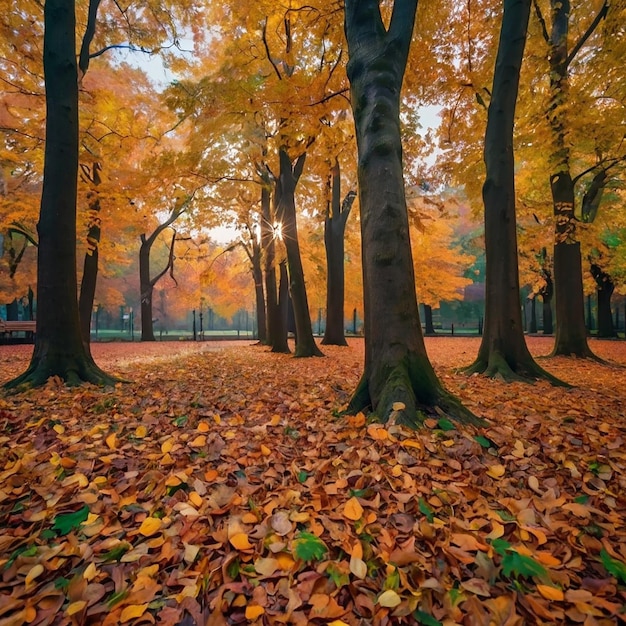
x=221 y=486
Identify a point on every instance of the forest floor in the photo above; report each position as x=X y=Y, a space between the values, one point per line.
x=221 y=486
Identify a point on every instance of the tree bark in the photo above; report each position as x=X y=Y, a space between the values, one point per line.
x=546 y=293
x=146 y=284
x=571 y=334
x=280 y=343
x=259 y=292
x=286 y=188
x=59 y=349
x=533 y=315
x=335 y=221
x=398 y=377
x=428 y=320
x=90 y=264
x=605 y=289
x=503 y=351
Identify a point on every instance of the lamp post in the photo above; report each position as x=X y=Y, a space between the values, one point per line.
x=194 y=325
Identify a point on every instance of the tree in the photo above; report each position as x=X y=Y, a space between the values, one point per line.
x=146 y=282
x=398 y=376
x=503 y=350
x=290 y=173
x=571 y=333
x=335 y=220
x=59 y=349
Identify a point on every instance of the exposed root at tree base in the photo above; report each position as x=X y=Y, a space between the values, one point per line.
x=585 y=354
x=75 y=373
x=498 y=367
x=408 y=399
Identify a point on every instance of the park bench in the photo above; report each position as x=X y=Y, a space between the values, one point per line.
x=14 y=326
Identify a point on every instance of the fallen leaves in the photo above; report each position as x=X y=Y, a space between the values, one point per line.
x=221 y=489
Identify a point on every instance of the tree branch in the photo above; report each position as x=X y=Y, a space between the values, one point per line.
x=542 y=21
x=90 y=31
x=583 y=39
x=267 y=51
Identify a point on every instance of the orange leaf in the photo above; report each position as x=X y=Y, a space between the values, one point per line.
x=551 y=593
x=253 y=611
x=353 y=509
x=150 y=526
x=111 y=441
x=240 y=541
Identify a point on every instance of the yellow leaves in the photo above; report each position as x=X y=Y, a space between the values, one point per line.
x=90 y=572
x=150 y=526
x=265 y=451
x=132 y=612
x=75 y=607
x=141 y=431
x=111 y=441
x=203 y=427
x=167 y=445
x=389 y=599
x=196 y=499
x=34 y=572
x=496 y=471
x=353 y=509
x=240 y=541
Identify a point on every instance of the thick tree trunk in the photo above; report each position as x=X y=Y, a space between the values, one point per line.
x=59 y=349
x=503 y=351
x=571 y=334
x=337 y=213
x=428 y=320
x=605 y=289
x=288 y=179
x=146 y=289
x=398 y=378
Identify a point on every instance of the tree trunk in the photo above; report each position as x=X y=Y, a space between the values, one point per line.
x=605 y=288
x=146 y=289
x=259 y=293
x=428 y=320
x=268 y=247
x=279 y=343
x=334 y=232
x=398 y=376
x=59 y=349
x=571 y=334
x=503 y=351
x=286 y=188
x=533 y=315
x=90 y=264
x=546 y=293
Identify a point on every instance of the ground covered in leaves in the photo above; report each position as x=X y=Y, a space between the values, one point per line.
x=221 y=487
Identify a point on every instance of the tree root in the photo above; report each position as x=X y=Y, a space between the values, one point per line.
x=73 y=371
x=407 y=396
x=498 y=367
